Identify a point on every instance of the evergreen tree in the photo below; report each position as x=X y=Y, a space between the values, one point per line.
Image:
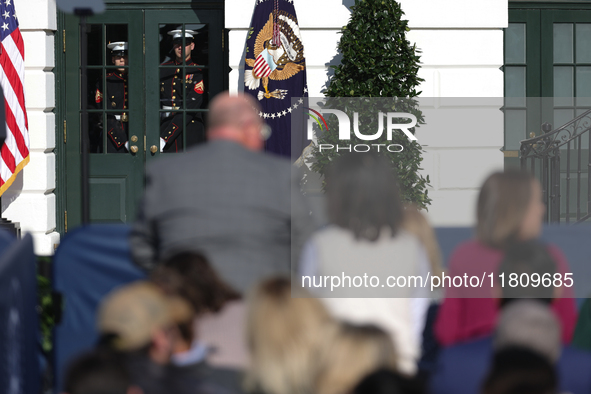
x=378 y=61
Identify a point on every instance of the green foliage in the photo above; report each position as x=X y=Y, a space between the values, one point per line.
x=378 y=61
x=46 y=307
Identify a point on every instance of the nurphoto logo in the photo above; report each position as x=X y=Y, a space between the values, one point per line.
x=344 y=124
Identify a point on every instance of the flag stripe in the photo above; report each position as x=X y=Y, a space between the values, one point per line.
x=8 y=158
x=14 y=49
x=10 y=141
x=16 y=60
x=9 y=67
x=14 y=112
x=20 y=44
x=13 y=136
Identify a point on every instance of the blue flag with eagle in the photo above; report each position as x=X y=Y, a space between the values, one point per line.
x=275 y=71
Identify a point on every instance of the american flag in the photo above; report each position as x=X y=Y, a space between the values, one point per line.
x=14 y=154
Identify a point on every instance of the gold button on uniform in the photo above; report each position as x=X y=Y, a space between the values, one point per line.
x=113 y=104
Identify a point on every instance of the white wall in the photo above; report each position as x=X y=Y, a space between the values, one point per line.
x=462 y=50
x=30 y=200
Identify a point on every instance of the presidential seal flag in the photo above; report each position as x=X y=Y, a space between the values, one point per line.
x=15 y=151
x=275 y=70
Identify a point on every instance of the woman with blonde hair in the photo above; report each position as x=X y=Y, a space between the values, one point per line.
x=285 y=334
x=417 y=224
x=509 y=210
x=354 y=352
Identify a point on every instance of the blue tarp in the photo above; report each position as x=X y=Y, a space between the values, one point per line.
x=19 y=324
x=89 y=263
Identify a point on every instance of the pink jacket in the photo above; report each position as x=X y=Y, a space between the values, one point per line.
x=462 y=319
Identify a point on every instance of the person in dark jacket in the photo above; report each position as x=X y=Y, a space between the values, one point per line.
x=99 y=372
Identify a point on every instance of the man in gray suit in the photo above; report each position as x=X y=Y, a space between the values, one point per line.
x=225 y=198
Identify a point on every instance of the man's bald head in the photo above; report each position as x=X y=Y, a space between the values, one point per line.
x=235 y=118
x=227 y=110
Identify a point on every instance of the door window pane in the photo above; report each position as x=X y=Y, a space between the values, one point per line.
x=515 y=86
x=563 y=86
x=95 y=39
x=583 y=42
x=515 y=128
x=563 y=43
x=584 y=86
x=108 y=88
x=515 y=43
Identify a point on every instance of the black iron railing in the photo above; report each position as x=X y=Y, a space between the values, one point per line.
x=542 y=156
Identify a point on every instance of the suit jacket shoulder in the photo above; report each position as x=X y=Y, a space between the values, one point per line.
x=221 y=160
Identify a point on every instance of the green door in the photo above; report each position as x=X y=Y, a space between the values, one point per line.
x=548 y=55
x=126 y=101
x=115 y=178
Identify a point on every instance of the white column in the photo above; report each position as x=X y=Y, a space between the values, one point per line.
x=30 y=200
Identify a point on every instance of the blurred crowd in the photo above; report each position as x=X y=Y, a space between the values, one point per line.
x=223 y=310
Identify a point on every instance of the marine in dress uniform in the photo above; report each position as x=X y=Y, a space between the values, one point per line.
x=172 y=82
x=115 y=97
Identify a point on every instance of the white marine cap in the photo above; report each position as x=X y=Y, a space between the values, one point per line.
x=179 y=33
x=117 y=46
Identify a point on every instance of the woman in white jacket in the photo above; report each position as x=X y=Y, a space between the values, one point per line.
x=367 y=269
